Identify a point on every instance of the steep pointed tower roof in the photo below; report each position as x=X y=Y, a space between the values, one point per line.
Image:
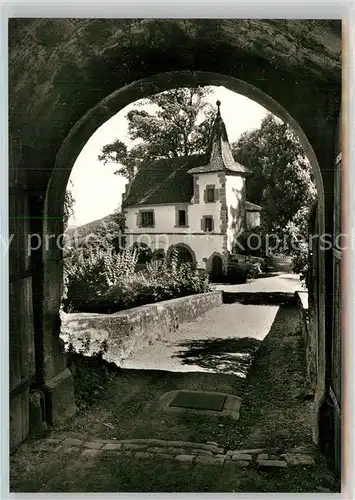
x=219 y=151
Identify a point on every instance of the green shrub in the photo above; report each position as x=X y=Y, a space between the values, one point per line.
x=297 y=242
x=91 y=376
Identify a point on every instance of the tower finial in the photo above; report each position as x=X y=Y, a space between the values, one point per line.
x=218 y=102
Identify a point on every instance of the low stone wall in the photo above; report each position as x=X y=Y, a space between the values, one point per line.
x=309 y=342
x=120 y=334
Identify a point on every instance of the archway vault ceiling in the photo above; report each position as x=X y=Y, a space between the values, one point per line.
x=60 y=68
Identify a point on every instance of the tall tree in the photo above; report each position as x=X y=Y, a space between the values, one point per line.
x=178 y=125
x=282 y=183
x=282 y=178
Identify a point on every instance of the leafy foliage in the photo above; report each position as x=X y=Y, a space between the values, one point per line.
x=90 y=272
x=179 y=126
x=97 y=281
x=91 y=376
x=282 y=183
x=252 y=242
x=145 y=253
x=298 y=244
x=282 y=180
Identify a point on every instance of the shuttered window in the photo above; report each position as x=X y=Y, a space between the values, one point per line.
x=147 y=219
x=182 y=217
x=210 y=198
x=208 y=224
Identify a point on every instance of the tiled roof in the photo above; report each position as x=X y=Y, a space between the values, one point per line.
x=219 y=152
x=163 y=181
x=251 y=207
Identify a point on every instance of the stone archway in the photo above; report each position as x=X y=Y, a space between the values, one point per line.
x=217 y=268
x=112 y=104
x=109 y=106
x=73 y=91
x=159 y=254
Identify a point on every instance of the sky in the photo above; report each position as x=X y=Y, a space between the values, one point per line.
x=98 y=191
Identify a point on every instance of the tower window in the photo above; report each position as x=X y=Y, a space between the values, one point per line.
x=210 y=195
x=208 y=227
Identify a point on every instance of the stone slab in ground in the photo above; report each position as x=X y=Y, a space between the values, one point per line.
x=199 y=401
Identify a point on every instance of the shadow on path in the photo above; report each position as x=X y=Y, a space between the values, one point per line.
x=229 y=356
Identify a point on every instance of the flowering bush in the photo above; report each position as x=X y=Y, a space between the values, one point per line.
x=89 y=273
x=105 y=282
x=297 y=234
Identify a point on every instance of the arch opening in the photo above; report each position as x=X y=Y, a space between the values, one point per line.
x=216 y=273
x=112 y=104
x=184 y=254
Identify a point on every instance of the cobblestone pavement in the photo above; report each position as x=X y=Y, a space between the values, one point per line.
x=204 y=453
